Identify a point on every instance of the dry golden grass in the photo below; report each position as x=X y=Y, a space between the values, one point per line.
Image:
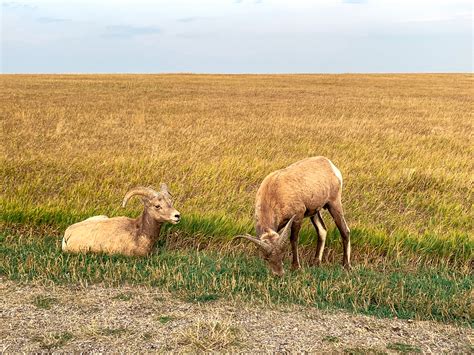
x=75 y=144
x=209 y=336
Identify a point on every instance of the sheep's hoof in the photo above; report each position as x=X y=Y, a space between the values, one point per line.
x=348 y=267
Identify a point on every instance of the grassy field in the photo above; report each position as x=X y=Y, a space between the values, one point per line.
x=73 y=145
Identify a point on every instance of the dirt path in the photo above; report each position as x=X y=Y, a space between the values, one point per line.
x=96 y=318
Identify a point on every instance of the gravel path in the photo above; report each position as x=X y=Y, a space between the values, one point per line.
x=137 y=319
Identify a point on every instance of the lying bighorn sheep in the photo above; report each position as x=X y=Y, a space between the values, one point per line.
x=123 y=235
x=287 y=196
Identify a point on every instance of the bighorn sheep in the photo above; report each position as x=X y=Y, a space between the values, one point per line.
x=123 y=235
x=287 y=196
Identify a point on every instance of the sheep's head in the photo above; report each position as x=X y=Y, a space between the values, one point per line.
x=272 y=247
x=158 y=204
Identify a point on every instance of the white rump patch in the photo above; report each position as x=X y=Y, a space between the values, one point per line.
x=336 y=171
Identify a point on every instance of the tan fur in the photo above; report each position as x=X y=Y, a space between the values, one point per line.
x=116 y=235
x=122 y=235
x=299 y=190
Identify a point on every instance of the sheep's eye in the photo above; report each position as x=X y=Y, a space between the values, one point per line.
x=158 y=207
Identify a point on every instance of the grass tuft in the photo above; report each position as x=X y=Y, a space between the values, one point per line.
x=165 y=319
x=44 y=302
x=123 y=297
x=403 y=348
x=210 y=336
x=114 y=332
x=363 y=351
x=331 y=339
x=53 y=341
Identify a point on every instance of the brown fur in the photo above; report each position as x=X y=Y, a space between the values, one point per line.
x=123 y=235
x=300 y=190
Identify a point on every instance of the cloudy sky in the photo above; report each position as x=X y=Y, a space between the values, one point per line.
x=229 y=36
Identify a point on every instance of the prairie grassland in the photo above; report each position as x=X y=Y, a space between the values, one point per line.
x=73 y=144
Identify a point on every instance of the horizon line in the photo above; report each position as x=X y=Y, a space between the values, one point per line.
x=243 y=73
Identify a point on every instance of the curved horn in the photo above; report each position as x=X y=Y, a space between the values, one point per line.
x=142 y=191
x=257 y=241
x=286 y=232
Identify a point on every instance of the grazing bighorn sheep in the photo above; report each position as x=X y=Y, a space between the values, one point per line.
x=287 y=196
x=123 y=235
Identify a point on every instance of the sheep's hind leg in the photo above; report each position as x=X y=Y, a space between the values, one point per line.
x=321 y=232
x=336 y=211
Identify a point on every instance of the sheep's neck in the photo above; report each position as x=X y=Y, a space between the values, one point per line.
x=148 y=226
x=265 y=221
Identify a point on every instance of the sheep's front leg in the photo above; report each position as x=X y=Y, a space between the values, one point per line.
x=295 y=231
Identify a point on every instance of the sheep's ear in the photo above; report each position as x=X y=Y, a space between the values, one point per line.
x=164 y=189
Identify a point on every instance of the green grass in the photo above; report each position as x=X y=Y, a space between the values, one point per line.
x=202 y=298
x=147 y=336
x=453 y=249
x=112 y=331
x=331 y=339
x=44 y=302
x=123 y=297
x=53 y=341
x=165 y=319
x=403 y=348
x=385 y=290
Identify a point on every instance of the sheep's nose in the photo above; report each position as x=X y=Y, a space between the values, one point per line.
x=177 y=216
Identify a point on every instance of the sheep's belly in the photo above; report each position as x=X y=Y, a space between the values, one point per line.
x=95 y=237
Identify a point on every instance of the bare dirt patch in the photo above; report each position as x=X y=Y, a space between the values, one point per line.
x=98 y=318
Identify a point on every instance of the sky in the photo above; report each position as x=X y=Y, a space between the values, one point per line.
x=236 y=36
